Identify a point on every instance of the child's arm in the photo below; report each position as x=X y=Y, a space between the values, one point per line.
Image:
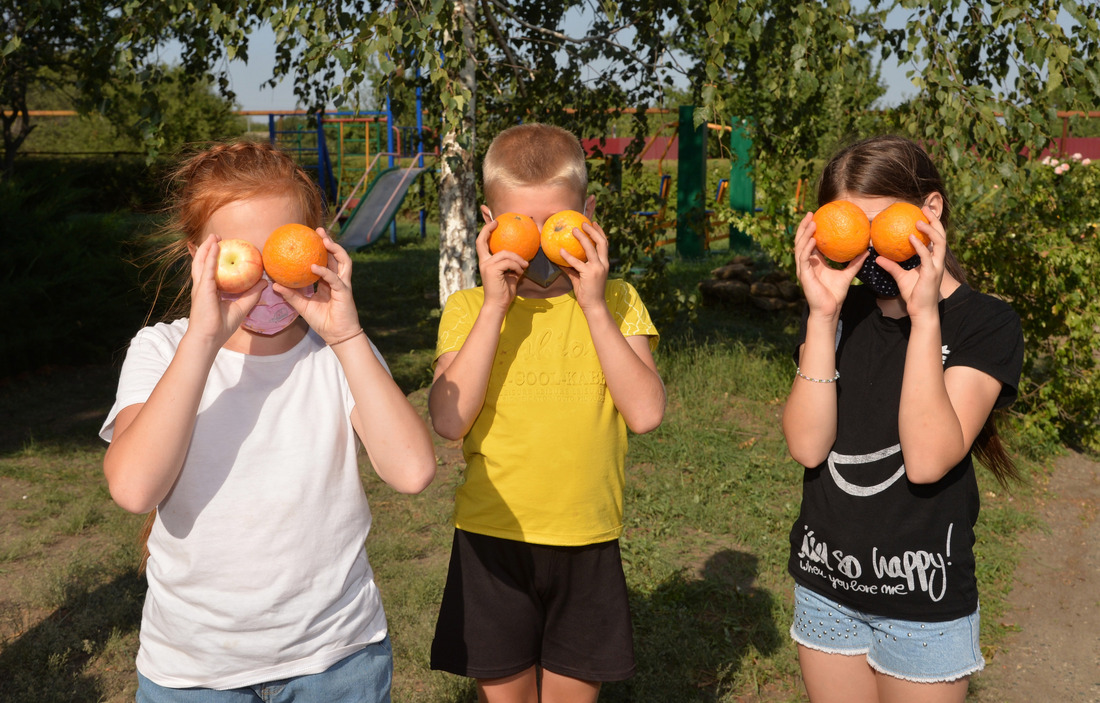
x=462 y=377
x=150 y=439
x=628 y=366
x=396 y=439
x=810 y=415
x=941 y=412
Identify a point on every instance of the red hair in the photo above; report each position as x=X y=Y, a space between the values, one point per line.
x=212 y=178
x=227 y=173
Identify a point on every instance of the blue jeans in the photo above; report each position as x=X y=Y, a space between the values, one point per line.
x=363 y=677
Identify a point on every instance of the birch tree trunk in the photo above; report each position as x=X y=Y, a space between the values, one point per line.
x=457 y=185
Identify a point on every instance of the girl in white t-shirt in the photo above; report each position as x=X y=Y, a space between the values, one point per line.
x=240 y=425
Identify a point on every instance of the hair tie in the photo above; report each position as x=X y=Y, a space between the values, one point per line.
x=350 y=336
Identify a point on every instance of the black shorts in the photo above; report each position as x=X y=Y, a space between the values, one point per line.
x=509 y=605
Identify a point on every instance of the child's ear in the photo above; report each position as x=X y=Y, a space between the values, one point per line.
x=934 y=201
x=590 y=207
x=191 y=249
x=487 y=214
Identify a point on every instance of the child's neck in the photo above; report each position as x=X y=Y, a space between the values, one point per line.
x=895 y=307
x=246 y=342
x=529 y=289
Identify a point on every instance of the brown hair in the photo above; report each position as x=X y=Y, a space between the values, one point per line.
x=534 y=154
x=212 y=178
x=892 y=167
x=895 y=167
x=203 y=182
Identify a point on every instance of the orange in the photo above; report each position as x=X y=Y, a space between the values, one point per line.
x=515 y=232
x=557 y=234
x=891 y=228
x=843 y=231
x=290 y=251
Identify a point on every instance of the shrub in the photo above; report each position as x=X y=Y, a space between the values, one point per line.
x=96 y=185
x=70 y=292
x=1035 y=240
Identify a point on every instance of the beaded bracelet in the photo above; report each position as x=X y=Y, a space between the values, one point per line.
x=350 y=336
x=798 y=370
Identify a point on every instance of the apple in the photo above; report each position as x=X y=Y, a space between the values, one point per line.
x=240 y=266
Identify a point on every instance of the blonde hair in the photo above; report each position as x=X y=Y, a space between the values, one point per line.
x=212 y=178
x=534 y=154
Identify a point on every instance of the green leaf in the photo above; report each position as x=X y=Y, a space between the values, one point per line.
x=10 y=46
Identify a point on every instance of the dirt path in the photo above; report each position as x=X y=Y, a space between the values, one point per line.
x=1055 y=656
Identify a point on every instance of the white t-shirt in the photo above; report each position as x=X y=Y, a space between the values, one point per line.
x=257 y=568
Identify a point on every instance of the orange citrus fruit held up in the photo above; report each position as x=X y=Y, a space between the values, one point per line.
x=515 y=232
x=290 y=251
x=557 y=234
x=891 y=228
x=843 y=231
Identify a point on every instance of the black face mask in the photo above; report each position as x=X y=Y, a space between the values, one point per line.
x=881 y=282
x=541 y=270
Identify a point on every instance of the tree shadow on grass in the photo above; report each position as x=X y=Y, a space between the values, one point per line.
x=48 y=662
x=691 y=633
x=56 y=407
x=397 y=292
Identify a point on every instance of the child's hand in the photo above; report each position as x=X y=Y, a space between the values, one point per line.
x=920 y=287
x=211 y=316
x=331 y=311
x=500 y=272
x=825 y=287
x=589 y=278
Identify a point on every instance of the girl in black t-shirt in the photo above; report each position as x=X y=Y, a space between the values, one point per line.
x=896 y=383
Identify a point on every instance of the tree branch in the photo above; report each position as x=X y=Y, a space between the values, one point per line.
x=514 y=63
x=606 y=38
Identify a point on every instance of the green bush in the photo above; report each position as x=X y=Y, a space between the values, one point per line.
x=96 y=185
x=1038 y=246
x=71 y=294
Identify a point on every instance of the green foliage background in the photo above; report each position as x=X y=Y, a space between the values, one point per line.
x=66 y=275
x=990 y=79
x=1035 y=239
x=193 y=113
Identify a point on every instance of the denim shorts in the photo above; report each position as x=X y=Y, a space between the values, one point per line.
x=925 y=652
x=363 y=677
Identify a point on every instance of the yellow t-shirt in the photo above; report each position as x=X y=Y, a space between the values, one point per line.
x=544 y=458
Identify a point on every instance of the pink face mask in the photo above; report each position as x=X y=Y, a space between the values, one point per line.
x=272 y=314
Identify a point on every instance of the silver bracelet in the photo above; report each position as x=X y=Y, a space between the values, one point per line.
x=798 y=370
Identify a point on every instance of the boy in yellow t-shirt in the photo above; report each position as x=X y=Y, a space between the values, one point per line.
x=541 y=375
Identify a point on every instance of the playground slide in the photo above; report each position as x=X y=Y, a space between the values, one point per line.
x=376 y=210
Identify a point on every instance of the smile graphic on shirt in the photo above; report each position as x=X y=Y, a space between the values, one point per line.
x=858 y=490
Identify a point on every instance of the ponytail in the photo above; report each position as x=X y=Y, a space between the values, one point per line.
x=990 y=451
x=143 y=539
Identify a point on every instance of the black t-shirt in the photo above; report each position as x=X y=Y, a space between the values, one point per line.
x=867 y=537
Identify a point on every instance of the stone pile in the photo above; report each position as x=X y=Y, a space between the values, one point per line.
x=742 y=282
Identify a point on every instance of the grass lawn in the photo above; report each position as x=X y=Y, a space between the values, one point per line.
x=711 y=496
